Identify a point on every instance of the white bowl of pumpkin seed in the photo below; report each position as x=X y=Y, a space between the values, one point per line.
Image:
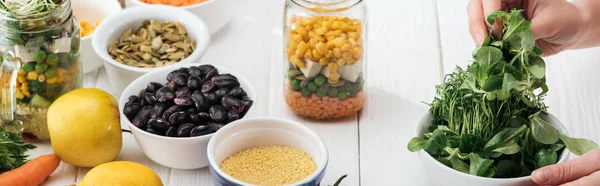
x=142 y=39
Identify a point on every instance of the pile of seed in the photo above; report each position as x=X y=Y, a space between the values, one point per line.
x=269 y=165
x=154 y=44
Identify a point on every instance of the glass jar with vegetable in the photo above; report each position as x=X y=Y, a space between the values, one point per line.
x=324 y=54
x=39 y=43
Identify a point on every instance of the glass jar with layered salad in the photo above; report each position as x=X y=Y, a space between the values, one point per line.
x=39 y=45
x=324 y=55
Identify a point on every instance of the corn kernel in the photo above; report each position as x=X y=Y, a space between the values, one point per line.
x=321 y=47
x=308 y=55
x=346 y=27
x=21 y=79
x=27 y=93
x=51 y=80
x=41 y=78
x=336 y=25
x=308 y=27
x=343 y=36
x=330 y=33
x=68 y=79
x=334 y=77
x=61 y=72
x=332 y=67
x=302 y=31
x=355 y=22
x=60 y=79
x=321 y=31
x=345 y=47
x=338 y=32
x=24 y=87
x=33 y=75
x=297 y=37
x=313 y=41
x=320 y=38
x=20 y=95
x=328 y=54
x=312 y=34
x=357 y=52
x=301 y=64
x=338 y=42
x=337 y=52
x=353 y=35
x=330 y=44
x=352 y=42
x=316 y=54
x=330 y=38
x=22 y=72
x=293 y=59
x=340 y=62
x=347 y=56
x=323 y=61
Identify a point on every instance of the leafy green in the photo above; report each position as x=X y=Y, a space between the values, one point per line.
x=12 y=151
x=487 y=119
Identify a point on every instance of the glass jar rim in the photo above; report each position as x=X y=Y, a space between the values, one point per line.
x=323 y=5
x=8 y=16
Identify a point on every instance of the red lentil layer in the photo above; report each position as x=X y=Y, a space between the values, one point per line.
x=323 y=107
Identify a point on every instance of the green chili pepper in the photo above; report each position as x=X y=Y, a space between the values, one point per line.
x=50 y=73
x=39 y=56
x=296 y=85
x=52 y=59
x=28 y=67
x=312 y=86
x=333 y=92
x=306 y=92
x=41 y=67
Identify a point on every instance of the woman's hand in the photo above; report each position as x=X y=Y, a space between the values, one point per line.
x=583 y=171
x=557 y=24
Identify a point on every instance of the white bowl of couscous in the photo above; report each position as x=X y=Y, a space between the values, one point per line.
x=296 y=154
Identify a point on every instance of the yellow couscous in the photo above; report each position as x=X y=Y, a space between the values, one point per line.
x=269 y=165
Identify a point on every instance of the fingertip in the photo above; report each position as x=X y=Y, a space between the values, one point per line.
x=540 y=177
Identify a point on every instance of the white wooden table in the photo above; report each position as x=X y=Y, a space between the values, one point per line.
x=411 y=45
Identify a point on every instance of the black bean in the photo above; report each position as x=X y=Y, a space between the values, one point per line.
x=184 y=101
x=204 y=116
x=206 y=68
x=215 y=126
x=232 y=116
x=141 y=93
x=246 y=98
x=178 y=118
x=200 y=102
x=153 y=87
x=195 y=119
x=159 y=124
x=184 y=129
x=170 y=111
x=141 y=118
x=211 y=98
x=171 y=132
x=247 y=105
x=200 y=130
x=132 y=99
x=153 y=131
x=222 y=92
x=183 y=92
x=224 y=77
x=164 y=94
x=217 y=113
x=237 y=92
x=149 y=99
x=159 y=109
x=208 y=86
x=227 y=83
x=194 y=83
x=173 y=74
x=233 y=104
x=195 y=71
x=212 y=73
x=172 y=85
x=131 y=110
x=181 y=79
x=184 y=70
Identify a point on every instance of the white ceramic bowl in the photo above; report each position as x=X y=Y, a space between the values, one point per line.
x=248 y=133
x=178 y=153
x=441 y=174
x=216 y=13
x=120 y=75
x=90 y=12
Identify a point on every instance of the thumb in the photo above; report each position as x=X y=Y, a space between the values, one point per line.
x=568 y=171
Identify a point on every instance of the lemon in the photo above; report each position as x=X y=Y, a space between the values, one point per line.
x=121 y=173
x=84 y=127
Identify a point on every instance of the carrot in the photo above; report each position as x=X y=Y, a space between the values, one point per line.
x=32 y=173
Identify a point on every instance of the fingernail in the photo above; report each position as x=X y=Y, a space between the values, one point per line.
x=540 y=176
x=479 y=38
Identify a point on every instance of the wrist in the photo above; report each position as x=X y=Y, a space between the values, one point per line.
x=589 y=29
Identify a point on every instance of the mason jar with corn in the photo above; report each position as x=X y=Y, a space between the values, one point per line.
x=324 y=57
